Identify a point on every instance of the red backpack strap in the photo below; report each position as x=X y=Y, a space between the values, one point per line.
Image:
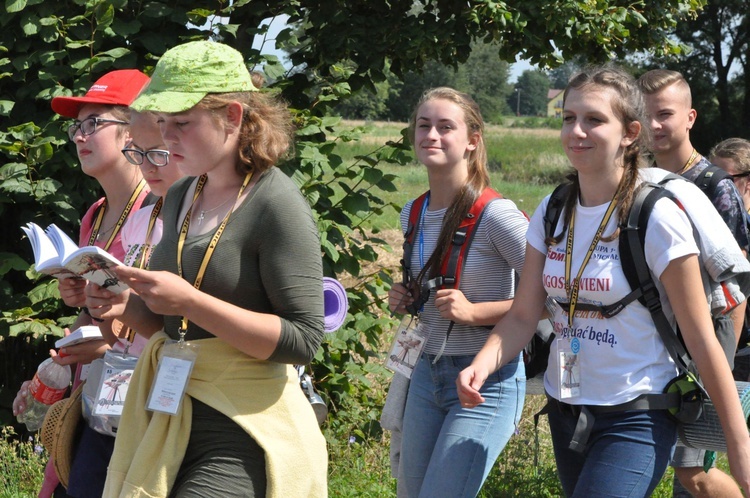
x=415 y=213
x=454 y=261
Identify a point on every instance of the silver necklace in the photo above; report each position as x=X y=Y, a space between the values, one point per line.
x=204 y=211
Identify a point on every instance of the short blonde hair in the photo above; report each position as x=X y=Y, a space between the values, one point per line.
x=656 y=80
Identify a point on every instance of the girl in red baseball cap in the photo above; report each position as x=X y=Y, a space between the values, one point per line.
x=100 y=132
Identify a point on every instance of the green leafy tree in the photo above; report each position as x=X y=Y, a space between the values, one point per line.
x=365 y=104
x=59 y=47
x=486 y=77
x=407 y=89
x=533 y=86
x=559 y=76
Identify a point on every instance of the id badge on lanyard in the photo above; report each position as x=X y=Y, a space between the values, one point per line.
x=408 y=342
x=112 y=390
x=178 y=357
x=568 y=354
x=172 y=376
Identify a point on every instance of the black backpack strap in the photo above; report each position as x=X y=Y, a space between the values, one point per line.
x=633 y=258
x=554 y=208
x=709 y=179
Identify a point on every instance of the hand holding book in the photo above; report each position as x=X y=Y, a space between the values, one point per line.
x=56 y=254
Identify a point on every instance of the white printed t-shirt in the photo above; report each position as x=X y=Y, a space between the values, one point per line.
x=623 y=356
x=134 y=244
x=134 y=235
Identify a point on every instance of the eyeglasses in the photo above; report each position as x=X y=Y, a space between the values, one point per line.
x=157 y=157
x=740 y=175
x=88 y=126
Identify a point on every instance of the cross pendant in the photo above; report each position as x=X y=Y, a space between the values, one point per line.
x=200 y=218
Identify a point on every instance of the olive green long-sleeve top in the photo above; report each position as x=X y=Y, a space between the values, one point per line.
x=268 y=260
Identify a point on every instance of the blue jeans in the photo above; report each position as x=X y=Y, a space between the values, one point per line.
x=626 y=455
x=448 y=450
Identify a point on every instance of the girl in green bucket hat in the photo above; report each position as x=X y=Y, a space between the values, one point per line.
x=237 y=281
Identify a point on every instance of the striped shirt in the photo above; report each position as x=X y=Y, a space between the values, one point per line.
x=496 y=254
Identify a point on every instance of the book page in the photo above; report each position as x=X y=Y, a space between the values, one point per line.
x=81 y=334
x=96 y=265
x=63 y=243
x=46 y=259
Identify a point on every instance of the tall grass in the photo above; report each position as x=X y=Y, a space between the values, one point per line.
x=21 y=466
x=525 y=165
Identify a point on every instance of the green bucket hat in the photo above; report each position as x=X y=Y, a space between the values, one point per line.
x=188 y=72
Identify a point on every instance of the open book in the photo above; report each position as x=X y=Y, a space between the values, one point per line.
x=56 y=254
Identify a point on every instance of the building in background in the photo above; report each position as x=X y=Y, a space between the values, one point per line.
x=554 y=103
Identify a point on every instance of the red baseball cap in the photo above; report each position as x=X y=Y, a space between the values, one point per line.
x=119 y=87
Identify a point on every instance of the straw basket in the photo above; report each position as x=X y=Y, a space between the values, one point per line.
x=706 y=433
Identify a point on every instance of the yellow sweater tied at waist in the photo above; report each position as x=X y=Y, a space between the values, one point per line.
x=262 y=397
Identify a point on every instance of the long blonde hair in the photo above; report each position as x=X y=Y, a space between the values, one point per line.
x=478 y=177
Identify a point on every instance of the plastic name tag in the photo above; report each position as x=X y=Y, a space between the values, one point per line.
x=113 y=384
x=407 y=346
x=570 y=368
x=172 y=375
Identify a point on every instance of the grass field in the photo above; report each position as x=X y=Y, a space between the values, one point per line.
x=525 y=165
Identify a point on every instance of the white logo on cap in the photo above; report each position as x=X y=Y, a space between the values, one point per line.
x=98 y=88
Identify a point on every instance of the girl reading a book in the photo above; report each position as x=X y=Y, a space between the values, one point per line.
x=234 y=295
x=99 y=132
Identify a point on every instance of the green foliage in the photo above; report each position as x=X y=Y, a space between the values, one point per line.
x=483 y=76
x=533 y=87
x=21 y=465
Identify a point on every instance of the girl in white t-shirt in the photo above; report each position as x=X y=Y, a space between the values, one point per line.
x=143 y=229
x=597 y=361
x=146 y=149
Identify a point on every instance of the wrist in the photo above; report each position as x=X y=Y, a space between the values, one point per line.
x=93 y=318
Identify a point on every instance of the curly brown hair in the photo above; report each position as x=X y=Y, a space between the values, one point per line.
x=267 y=130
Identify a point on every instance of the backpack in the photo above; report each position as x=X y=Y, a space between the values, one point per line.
x=452 y=263
x=633 y=258
x=709 y=179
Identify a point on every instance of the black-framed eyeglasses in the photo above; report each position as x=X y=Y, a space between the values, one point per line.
x=740 y=175
x=88 y=126
x=157 y=157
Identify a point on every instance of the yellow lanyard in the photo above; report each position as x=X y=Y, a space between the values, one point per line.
x=690 y=160
x=211 y=246
x=120 y=222
x=149 y=232
x=127 y=331
x=576 y=284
